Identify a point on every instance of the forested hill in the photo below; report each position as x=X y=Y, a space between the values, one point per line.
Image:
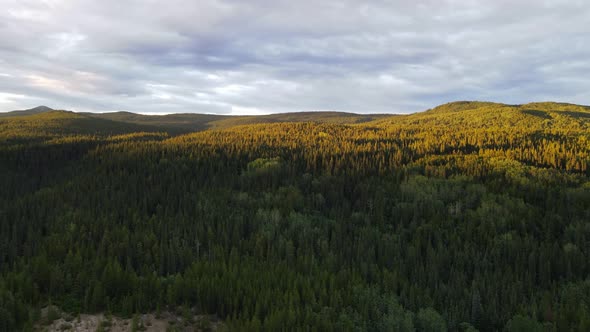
x=35 y=110
x=71 y=122
x=485 y=114
x=194 y=122
x=465 y=114
x=469 y=216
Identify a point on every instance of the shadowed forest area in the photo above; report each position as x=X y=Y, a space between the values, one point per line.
x=470 y=216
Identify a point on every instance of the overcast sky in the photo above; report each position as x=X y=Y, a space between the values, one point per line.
x=255 y=56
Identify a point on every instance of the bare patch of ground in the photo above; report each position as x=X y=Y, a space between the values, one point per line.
x=166 y=321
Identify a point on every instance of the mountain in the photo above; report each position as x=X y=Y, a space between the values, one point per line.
x=464 y=114
x=468 y=114
x=49 y=124
x=177 y=123
x=188 y=122
x=31 y=111
x=120 y=122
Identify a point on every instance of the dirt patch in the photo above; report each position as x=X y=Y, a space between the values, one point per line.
x=166 y=321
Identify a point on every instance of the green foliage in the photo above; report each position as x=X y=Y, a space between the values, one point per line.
x=471 y=212
x=264 y=164
x=466 y=327
x=429 y=320
x=52 y=314
x=520 y=323
x=204 y=324
x=135 y=323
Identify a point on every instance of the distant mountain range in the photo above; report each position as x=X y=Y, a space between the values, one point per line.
x=189 y=122
x=461 y=113
x=31 y=111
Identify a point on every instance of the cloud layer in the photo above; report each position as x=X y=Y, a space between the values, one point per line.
x=238 y=57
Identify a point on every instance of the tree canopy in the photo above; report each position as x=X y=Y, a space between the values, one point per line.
x=470 y=216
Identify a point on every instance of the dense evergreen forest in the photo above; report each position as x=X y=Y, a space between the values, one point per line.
x=467 y=217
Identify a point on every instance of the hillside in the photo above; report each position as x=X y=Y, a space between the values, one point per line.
x=46 y=125
x=32 y=111
x=196 y=122
x=120 y=122
x=538 y=116
x=467 y=217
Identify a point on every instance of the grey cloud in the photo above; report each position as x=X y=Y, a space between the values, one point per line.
x=226 y=56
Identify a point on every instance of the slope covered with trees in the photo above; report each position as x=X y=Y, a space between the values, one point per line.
x=470 y=216
x=190 y=122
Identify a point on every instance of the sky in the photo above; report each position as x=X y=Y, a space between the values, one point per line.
x=257 y=57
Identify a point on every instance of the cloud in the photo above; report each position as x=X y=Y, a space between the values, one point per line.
x=232 y=57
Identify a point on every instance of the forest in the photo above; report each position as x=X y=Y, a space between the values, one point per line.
x=471 y=216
